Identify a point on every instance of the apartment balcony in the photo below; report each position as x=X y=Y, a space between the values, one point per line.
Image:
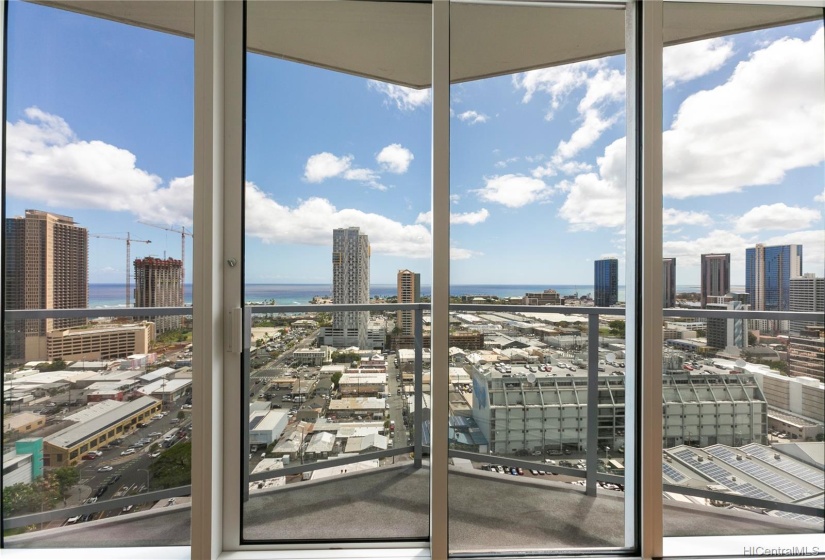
x=564 y=509
x=392 y=503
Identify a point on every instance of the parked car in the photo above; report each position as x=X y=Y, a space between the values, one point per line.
x=129 y=451
x=105 y=468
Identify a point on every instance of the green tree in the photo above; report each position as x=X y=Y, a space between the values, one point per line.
x=173 y=467
x=336 y=377
x=64 y=478
x=181 y=415
x=40 y=494
x=751 y=339
x=617 y=328
x=56 y=365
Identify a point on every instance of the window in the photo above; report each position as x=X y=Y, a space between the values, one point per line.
x=299 y=39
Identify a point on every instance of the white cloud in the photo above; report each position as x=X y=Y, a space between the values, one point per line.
x=472 y=117
x=813 y=249
x=767 y=119
x=513 y=191
x=311 y=223
x=458 y=254
x=557 y=82
x=470 y=218
x=395 y=158
x=688 y=61
x=323 y=166
x=591 y=130
x=48 y=164
x=716 y=241
x=672 y=217
x=597 y=108
x=820 y=197
x=597 y=200
x=406 y=99
x=722 y=241
x=501 y=164
x=777 y=216
x=455 y=198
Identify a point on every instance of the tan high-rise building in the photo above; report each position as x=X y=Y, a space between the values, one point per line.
x=47 y=267
x=158 y=284
x=409 y=291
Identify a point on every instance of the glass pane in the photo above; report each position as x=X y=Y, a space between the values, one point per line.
x=744 y=126
x=337 y=205
x=96 y=420
x=538 y=219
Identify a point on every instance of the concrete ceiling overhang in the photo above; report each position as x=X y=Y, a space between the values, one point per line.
x=391 y=41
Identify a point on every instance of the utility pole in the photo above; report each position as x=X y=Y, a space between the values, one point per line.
x=128 y=239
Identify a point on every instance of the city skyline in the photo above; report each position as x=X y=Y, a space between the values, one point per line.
x=558 y=175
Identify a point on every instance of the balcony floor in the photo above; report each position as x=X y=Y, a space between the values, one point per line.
x=488 y=511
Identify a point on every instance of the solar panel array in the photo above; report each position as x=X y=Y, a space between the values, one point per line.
x=798 y=517
x=760 y=473
x=795 y=468
x=674 y=475
x=721 y=475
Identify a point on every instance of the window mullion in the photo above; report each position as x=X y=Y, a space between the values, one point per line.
x=439 y=339
x=644 y=273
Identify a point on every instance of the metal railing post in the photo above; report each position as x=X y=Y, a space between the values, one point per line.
x=592 y=403
x=418 y=415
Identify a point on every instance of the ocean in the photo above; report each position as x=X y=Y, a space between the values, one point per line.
x=114 y=295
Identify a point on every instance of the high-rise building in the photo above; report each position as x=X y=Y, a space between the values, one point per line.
x=350 y=284
x=409 y=291
x=727 y=333
x=806 y=354
x=807 y=294
x=47 y=267
x=715 y=273
x=768 y=271
x=669 y=282
x=158 y=284
x=606 y=282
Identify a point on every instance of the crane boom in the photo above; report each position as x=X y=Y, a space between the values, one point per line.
x=183 y=234
x=128 y=239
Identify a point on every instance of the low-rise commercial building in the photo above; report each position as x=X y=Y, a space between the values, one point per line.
x=95 y=427
x=365 y=407
x=363 y=384
x=100 y=343
x=22 y=422
x=266 y=426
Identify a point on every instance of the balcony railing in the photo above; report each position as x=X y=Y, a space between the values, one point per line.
x=590 y=475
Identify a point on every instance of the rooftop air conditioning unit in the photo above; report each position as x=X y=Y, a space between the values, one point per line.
x=733 y=479
x=699 y=458
x=777 y=456
x=669 y=460
x=738 y=457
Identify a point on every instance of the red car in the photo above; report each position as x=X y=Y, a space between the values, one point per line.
x=89 y=456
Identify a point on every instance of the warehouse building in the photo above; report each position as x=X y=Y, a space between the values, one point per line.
x=94 y=427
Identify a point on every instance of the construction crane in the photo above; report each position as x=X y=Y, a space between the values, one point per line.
x=183 y=234
x=128 y=239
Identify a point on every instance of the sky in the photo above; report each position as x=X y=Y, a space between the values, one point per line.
x=100 y=119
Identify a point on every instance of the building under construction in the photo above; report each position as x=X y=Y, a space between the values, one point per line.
x=158 y=284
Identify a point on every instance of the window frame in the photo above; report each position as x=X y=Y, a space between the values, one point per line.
x=217 y=306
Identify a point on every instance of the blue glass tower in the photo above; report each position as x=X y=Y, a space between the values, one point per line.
x=768 y=273
x=606 y=282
